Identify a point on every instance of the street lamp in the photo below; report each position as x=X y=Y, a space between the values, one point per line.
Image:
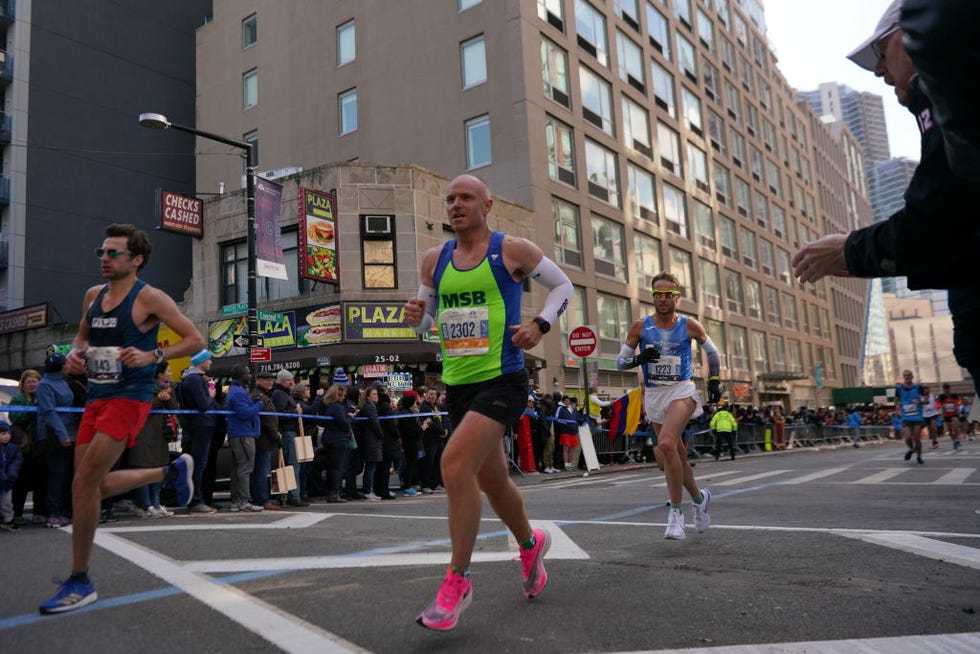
x=159 y=121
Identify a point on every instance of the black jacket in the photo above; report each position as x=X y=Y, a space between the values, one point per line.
x=933 y=240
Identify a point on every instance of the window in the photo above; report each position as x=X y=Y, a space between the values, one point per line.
x=727 y=54
x=466 y=4
x=600 y=168
x=675 y=211
x=629 y=11
x=747 y=77
x=761 y=209
x=772 y=306
x=478 y=151
x=252 y=138
x=630 y=62
x=250 y=31
x=698 y=163
x=728 y=235
x=682 y=9
x=552 y=12
x=711 y=79
x=568 y=234
x=614 y=321
x=234 y=273
x=733 y=292
x=752 y=118
x=704 y=225
x=663 y=88
x=747 y=239
x=646 y=251
x=561 y=150
x=740 y=29
x=250 y=89
x=772 y=175
x=346 y=43
x=753 y=298
x=597 y=101
x=710 y=284
x=706 y=30
x=347 y=103
x=670 y=149
x=591 y=28
x=738 y=342
x=682 y=268
x=755 y=160
x=474 y=60
x=577 y=312
x=795 y=354
x=636 y=127
x=643 y=199
x=723 y=184
x=378 y=254
x=778 y=222
x=733 y=100
x=778 y=349
x=760 y=354
x=554 y=73
x=721 y=7
x=716 y=332
x=742 y=199
x=768 y=135
x=609 y=248
x=659 y=31
x=789 y=310
x=686 y=58
x=716 y=132
x=765 y=256
x=782 y=266
x=692 y=111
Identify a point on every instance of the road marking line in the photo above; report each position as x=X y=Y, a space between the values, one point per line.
x=954 y=477
x=920 y=546
x=761 y=475
x=964 y=643
x=879 y=477
x=298 y=521
x=281 y=629
x=813 y=476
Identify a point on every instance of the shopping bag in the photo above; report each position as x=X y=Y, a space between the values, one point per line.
x=303 y=446
x=283 y=478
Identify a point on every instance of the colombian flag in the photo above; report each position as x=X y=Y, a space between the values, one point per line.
x=626 y=413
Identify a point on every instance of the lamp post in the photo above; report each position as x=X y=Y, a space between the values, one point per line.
x=159 y=121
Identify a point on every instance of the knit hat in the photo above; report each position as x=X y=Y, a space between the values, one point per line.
x=4 y=425
x=410 y=393
x=340 y=378
x=284 y=376
x=200 y=357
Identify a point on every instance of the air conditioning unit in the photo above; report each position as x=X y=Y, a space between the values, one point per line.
x=377 y=225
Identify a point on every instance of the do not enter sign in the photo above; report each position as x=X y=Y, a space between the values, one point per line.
x=583 y=341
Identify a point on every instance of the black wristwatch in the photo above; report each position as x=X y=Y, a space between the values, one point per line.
x=543 y=324
x=158 y=355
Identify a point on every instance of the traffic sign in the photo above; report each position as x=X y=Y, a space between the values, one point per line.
x=259 y=354
x=241 y=340
x=583 y=341
x=234 y=309
x=270 y=316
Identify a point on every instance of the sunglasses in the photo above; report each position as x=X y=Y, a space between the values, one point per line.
x=112 y=254
x=665 y=295
x=878 y=47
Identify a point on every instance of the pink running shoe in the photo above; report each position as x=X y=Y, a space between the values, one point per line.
x=455 y=594
x=532 y=564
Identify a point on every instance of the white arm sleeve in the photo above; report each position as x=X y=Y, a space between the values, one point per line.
x=548 y=274
x=431 y=298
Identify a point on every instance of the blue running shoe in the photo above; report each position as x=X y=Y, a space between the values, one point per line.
x=71 y=595
x=180 y=476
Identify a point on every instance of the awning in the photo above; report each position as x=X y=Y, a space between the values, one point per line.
x=782 y=375
x=341 y=354
x=858 y=394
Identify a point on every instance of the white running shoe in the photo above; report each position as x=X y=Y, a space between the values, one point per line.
x=675 y=525
x=701 y=517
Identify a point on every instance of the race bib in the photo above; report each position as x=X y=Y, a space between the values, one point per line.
x=666 y=368
x=104 y=366
x=465 y=332
x=910 y=408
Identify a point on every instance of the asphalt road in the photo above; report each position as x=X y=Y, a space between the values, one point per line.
x=828 y=550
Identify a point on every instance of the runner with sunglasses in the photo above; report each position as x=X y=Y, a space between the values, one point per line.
x=670 y=397
x=116 y=346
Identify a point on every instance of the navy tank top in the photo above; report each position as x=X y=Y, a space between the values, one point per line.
x=109 y=332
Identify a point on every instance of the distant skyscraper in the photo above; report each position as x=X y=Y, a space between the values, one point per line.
x=862 y=112
x=887 y=182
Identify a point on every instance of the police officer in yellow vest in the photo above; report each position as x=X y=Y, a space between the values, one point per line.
x=724 y=425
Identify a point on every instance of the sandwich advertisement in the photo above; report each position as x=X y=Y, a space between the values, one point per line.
x=304 y=327
x=318 y=241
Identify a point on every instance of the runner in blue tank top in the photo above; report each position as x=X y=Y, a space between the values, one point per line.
x=116 y=345
x=472 y=288
x=670 y=398
x=908 y=404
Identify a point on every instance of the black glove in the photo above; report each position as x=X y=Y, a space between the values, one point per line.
x=714 y=390
x=648 y=355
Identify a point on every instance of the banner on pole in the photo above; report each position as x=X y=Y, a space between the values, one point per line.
x=269 y=259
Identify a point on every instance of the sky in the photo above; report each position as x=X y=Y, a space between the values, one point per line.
x=811 y=41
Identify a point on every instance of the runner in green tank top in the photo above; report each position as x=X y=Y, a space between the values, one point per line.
x=473 y=284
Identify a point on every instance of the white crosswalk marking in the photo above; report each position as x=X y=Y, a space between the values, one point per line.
x=879 y=477
x=819 y=474
x=954 y=477
x=742 y=480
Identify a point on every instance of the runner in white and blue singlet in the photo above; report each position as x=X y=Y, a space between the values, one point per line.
x=908 y=404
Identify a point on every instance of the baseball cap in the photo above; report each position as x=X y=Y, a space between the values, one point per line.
x=864 y=55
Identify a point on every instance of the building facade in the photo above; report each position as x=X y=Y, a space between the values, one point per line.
x=642 y=136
